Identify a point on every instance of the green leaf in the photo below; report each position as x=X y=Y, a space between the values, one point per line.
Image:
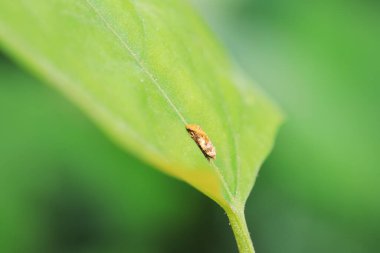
x=143 y=70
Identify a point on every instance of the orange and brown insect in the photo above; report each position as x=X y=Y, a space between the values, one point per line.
x=202 y=140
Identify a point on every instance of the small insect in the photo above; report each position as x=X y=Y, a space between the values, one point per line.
x=202 y=140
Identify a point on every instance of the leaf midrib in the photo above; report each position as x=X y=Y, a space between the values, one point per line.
x=138 y=61
x=164 y=94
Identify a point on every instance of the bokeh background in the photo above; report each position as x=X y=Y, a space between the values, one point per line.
x=64 y=187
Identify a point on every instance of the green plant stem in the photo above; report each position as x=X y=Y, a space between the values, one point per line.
x=239 y=227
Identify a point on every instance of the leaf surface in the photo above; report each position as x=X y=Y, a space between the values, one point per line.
x=143 y=70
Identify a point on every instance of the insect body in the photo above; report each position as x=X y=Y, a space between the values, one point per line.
x=202 y=140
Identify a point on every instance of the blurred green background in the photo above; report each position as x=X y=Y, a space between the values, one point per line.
x=64 y=187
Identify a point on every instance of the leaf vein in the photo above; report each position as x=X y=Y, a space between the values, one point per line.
x=155 y=82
